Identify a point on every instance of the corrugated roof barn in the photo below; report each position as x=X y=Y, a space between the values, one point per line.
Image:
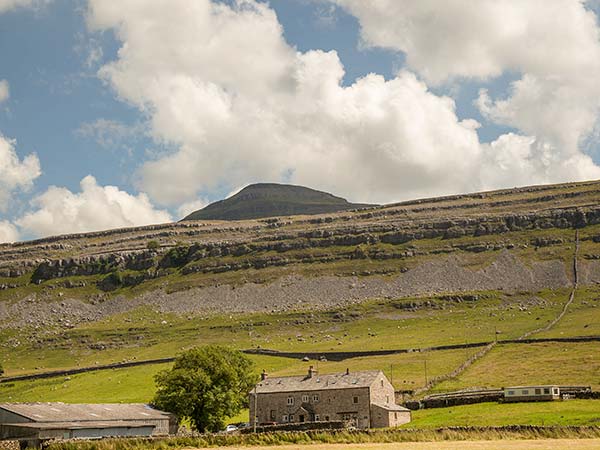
x=36 y=422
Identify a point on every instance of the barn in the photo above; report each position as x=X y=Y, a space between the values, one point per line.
x=34 y=423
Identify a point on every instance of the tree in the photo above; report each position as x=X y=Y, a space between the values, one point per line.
x=206 y=385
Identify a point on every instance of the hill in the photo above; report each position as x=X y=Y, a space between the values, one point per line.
x=272 y=200
x=417 y=275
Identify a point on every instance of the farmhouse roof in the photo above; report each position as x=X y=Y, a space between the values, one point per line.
x=66 y=412
x=81 y=425
x=391 y=407
x=317 y=382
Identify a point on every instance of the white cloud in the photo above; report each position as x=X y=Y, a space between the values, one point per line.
x=8 y=232
x=4 y=91
x=59 y=211
x=14 y=173
x=553 y=44
x=241 y=105
x=111 y=134
x=10 y=5
x=190 y=207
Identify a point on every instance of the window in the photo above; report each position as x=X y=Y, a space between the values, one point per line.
x=285 y=418
x=381 y=383
x=511 y=392
x=316 y=417
x=555 y=390
x=290 y=400
x=316 y=398
x=546 y=390
x=326 y=418
x=355 y=399
x=387 y=399
x=396 y=416
x=525 y=392
x=272 y=414
x=305 y=399
x=291 y=417
x=538 y=392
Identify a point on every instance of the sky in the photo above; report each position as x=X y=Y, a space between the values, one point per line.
x=116 y=114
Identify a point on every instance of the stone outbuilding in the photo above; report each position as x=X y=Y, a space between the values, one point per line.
x=360 y=399
x=34 y=423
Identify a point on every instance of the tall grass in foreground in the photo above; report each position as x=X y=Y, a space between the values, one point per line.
x=337 y=437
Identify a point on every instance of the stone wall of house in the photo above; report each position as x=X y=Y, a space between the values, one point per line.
x=332 y=404
x=384 y=418
x=382 y=391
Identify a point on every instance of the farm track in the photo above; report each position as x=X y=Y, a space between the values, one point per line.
x=483 y=352
x=571 y=296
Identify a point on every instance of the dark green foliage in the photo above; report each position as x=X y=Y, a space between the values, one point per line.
x=176 y=257
x=270 y=200
x=152 y=245
x=206 y=385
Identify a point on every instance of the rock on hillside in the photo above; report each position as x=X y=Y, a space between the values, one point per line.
x=271 y=200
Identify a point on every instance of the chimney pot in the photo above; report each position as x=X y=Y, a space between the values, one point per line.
x=264 y=375
x=311 y=372
x=347 y=371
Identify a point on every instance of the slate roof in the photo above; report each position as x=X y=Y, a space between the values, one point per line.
x=80 y=425
x=391 y=407
x=317 y=382
x=68 y=412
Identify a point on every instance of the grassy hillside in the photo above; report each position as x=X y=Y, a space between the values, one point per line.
x=448 y=271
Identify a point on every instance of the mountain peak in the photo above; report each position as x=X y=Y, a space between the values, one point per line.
x=261 y=200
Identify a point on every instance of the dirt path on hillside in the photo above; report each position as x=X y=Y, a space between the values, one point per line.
x=541 y=444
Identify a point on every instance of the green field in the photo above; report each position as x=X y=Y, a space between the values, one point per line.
x=570 y=412
x=396 y=324
x=543 y=363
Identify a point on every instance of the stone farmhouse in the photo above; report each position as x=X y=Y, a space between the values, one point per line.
x=360 y=399
x=34 y=423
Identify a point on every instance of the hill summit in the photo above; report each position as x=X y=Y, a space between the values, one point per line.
x=272 y=199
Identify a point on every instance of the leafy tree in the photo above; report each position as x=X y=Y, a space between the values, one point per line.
x=206 y=385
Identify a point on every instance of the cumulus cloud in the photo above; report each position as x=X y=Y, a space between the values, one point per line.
x=189 y=207
x=59 y=210
x=112 y=134
x=8 y=232
x=9 y=5
x=553 y=44
x=14 y=173
x=220 y=84
x=4 y=91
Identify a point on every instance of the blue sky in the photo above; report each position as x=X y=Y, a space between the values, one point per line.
x=423 y=108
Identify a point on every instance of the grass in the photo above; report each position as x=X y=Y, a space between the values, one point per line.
x=569 y=412
x=545 y=444
x=354 y=439
x=582 y=318
x=136 y=384
x=540 y=363
x=375 y=325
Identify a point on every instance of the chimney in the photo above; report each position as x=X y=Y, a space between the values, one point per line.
x=311 y=372
x=264 y=375
x=347 y=371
